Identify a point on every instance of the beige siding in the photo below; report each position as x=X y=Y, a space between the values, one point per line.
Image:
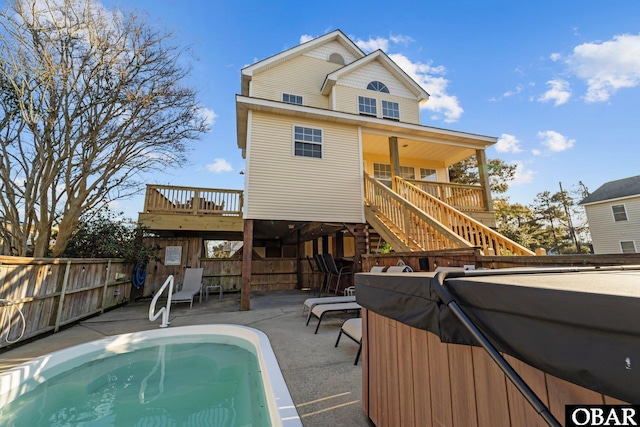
x=323 y=52
x=347 y=101
x=441 y=170
x=607 y=234
x=302 y=76
x=282 y=186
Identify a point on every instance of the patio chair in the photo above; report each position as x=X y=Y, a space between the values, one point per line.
x=353 y=329
x=322 y=267
x=191 y=286
x=333 y=269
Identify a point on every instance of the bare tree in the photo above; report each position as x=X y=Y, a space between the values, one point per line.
x=91 y=101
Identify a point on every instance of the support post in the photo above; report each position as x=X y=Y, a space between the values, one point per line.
x=394 y=158
x=483 y=174
x=247 y=251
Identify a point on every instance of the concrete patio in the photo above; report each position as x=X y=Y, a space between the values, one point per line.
x=324 y=384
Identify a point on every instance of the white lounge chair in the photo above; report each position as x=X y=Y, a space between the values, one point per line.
x=191 y=286
x=320 y=310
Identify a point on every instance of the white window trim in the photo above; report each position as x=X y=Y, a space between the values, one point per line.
x=635 y=249
x=358 y=105
x=293 y=142
x=291 y=94
x=626 y=212
x=382 y=101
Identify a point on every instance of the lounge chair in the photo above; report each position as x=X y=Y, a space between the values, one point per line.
x=320 y=310
x=330 y=262
x=309 y=303
x=353 y=329
x=191 y=286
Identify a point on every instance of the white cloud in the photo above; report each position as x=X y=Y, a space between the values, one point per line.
x=607 y=66
x=373 y=44
x=559 y=92
x=219 y=166
x=432 y=80
x=400 y=39
x=509 y=93
x=555 y=57
x=522 y=175
x=536 y=152
x=508 y=144
x=207 y=115
x=555 y=141
x=305 y=38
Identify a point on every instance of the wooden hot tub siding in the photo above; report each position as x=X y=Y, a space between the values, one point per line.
x=411 y=379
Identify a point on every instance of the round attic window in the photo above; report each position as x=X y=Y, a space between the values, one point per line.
x=336 y=58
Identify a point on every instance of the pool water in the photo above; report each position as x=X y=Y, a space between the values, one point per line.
x=179 y=384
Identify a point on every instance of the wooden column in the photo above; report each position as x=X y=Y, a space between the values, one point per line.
x=339 y=236
x=325 y=245
x=359 y=233
x=247 y=251
x=302 y=262
x=483 y=173
x=394 y=158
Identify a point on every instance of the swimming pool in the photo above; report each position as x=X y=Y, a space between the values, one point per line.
x=195 y=375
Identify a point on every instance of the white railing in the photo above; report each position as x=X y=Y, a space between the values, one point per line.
x=164 y=311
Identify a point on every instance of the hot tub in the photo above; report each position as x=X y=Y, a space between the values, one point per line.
x=196 y=375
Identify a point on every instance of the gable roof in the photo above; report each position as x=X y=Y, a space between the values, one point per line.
x=386 y=62
x=625 y=187
x=272 y=61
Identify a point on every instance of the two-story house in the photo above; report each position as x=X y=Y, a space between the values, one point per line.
x=613 y=213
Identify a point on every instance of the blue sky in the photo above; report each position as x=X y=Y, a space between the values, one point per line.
x=558 y=82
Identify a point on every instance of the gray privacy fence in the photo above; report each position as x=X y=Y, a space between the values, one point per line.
x=39 y=295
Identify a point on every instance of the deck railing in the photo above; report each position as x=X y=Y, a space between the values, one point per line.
x=413 y=226
x=168 y=199
x=464 y=226
x=463 y=197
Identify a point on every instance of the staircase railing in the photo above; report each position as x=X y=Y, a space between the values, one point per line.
x=164 y=311
x=412 y=225
x=468 y=198
x=472 y=231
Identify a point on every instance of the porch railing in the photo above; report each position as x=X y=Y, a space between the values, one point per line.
x=472 y=231
x=469 y=198
x=168 y=199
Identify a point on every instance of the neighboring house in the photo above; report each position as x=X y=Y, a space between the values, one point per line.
x=336 y=156
x=613 y=213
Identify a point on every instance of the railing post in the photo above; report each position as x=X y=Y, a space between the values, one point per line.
x=62 y=293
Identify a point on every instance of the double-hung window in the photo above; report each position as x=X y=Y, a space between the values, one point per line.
x=381 y=171
x=407 y=172
x=291 y=99
x=390 y=110
x=307 y=142
x=619 y=213
x=427 y=174
x=367 y=106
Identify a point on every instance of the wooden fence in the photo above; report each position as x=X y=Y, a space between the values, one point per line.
x=267 y=274
x=430 y=260
x=52 y=293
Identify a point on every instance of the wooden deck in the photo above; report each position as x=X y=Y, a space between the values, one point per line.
x=174 y=208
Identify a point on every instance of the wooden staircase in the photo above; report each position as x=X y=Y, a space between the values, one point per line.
x=410 y=219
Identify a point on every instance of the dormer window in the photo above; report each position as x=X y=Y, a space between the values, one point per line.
x=378 y=87
x=336 y=58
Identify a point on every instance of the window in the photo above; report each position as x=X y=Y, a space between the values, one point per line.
x=428 y=174
x=336 y=58
x=292 y=99
x=307 y=142
x=407 y=172
x=619 y=213
x=628 y=247
x=390 y=110
x=381 y=171
x=378 y=87
x=367 y=106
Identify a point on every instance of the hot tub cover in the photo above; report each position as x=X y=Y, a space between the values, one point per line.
x=581 y=325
